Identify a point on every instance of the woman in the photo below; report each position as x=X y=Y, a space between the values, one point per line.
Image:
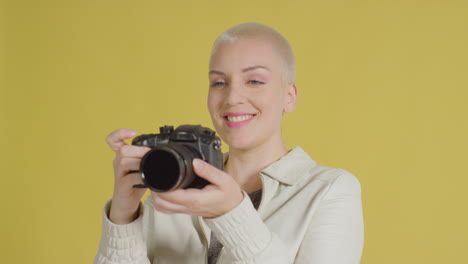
x=306 y=213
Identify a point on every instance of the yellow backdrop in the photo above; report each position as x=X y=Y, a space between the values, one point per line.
x=384 y=83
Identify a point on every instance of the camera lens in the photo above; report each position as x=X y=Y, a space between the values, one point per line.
x=169 y=167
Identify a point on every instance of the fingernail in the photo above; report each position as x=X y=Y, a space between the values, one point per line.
x=198 y=164
x=133 y=133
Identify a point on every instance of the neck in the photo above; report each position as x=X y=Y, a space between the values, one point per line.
x=244 y=165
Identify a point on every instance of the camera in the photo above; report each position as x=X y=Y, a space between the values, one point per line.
x=168 y=165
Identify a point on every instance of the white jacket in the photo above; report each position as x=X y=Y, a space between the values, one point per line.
x=308 y=214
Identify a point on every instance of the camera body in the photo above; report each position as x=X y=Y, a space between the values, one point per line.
x=168 y=165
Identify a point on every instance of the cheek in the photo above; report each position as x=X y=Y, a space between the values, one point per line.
x=212 y=102
x=273 y=100
x=273 y=103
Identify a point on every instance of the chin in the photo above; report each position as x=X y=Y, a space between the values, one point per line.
x=239 y=142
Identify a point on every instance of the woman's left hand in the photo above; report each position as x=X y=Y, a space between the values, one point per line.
x=215 y=199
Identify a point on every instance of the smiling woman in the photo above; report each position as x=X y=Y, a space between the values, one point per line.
x=269 y=205
x=249 y=76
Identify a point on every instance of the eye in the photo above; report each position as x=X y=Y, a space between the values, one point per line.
x=218 y=84
x=255 y=82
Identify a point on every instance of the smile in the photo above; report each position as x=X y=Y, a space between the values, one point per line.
x=238 y=118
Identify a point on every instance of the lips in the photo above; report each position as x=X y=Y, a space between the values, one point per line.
x=238 y=120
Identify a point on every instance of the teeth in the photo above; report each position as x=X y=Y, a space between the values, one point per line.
x=239 y=118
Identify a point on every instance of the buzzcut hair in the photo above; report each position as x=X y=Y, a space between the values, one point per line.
x=254 y=30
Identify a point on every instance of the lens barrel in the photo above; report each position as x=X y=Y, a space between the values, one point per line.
x=169 y=167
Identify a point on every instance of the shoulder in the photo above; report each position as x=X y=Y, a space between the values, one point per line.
x=338 y=181
x=334 y=180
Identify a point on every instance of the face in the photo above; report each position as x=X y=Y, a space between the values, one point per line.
x=247 y=95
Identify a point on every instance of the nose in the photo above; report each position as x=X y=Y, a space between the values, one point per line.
x=234 y=94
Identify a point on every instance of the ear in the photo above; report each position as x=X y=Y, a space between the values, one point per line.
x=291 y=98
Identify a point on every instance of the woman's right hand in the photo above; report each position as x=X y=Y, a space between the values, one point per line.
x=126 y=199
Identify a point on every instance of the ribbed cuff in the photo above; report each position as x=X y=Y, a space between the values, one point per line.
x=241 y=230
x=121 y=243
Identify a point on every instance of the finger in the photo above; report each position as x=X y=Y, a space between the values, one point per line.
x=209 y=172
x=116 y=138
x=180 y=196
x=130 y=151
x=133 y=179
x=130 y=164
x=167 y=206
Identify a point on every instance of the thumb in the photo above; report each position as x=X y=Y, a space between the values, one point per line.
x=208 y=172
x=117 y=137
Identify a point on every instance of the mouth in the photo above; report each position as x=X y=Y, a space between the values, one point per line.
x=238 y=120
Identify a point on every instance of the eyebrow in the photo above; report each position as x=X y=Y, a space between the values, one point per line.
x=251 y=68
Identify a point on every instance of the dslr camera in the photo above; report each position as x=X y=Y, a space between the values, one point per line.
x=168 y=165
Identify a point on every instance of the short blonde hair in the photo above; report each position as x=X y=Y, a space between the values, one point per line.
x=253 y=30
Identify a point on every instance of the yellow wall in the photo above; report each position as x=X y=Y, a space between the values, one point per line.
x=383 y=93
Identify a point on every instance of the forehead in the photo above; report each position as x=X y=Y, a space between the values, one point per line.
x=245 y=53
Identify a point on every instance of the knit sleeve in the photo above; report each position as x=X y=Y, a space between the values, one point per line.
x=246 y=238
x=122 y=243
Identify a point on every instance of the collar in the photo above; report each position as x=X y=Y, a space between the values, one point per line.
x=290 y=169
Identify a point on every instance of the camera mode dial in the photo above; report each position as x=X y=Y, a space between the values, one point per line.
x=209 y=132
x=166 y=129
